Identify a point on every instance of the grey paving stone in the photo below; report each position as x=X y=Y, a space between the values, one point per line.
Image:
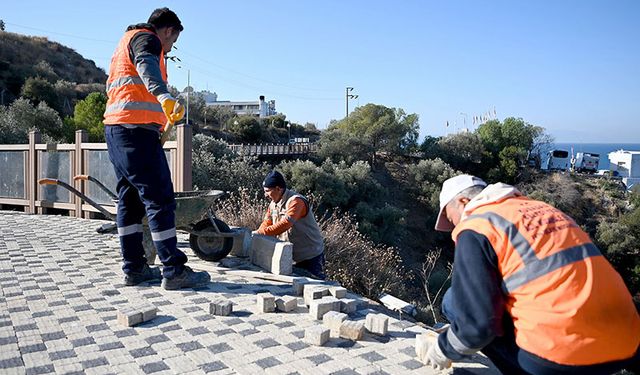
x=223 y=332
x=11 y=363
x=97 y=362
x=83 y=342
x=346 y=371
x=198 y=331
x=169 y=328
x=68 y=319
x=319 y=359
x=297 y=345
x=142 y=352
x=110 y=346
x=33 y=348
x=125 y=333
x=219 y=348
x=190 y=346
x=25 y=327
x=152 y=367
x=156 y=339
x=62 y=354
x=372 y=357
x=411 y=364
x=267 y=362
x=266 y=343
x=46 y=369
x=8 y=340
x=97 y=327
x=213 y=366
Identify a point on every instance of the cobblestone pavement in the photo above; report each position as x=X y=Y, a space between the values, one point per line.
x=61 y=287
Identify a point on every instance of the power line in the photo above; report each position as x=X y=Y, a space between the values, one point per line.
x=57 y=33
x=233 y=81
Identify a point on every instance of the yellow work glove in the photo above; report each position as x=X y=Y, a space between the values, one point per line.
x=171 y=108
x=429 y=352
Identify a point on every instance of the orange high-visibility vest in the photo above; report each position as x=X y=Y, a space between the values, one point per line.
x=568 y=304
x=129 y=102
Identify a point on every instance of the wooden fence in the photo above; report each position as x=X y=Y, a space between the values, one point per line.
x=21 y=166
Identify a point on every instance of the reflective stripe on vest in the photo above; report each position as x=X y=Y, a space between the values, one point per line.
x=129 y=102
x=534 y=267
x=135 y=80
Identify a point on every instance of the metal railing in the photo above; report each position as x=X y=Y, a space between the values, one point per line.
x=274 y=149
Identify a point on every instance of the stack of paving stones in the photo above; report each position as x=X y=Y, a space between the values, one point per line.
x=61 y=292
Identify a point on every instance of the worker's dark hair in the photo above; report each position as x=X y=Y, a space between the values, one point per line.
x=165 y=17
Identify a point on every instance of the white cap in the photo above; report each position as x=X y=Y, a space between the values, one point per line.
x=451 y=188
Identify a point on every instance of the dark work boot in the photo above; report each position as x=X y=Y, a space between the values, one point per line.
x=187 y=279
x=149 y=274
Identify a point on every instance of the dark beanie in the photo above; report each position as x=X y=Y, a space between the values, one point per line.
x=273 y=179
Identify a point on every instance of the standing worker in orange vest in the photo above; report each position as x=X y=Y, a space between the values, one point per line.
x=530 y=290
x=138 y=107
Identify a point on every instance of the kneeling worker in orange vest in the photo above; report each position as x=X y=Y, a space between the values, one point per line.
x=529 y=289
x=290 y=218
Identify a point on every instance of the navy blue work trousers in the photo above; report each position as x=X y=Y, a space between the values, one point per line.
x=144 y=187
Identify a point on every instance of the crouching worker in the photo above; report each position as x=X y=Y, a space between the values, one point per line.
x=138 y=107
x=529 y=289
x=290 y=218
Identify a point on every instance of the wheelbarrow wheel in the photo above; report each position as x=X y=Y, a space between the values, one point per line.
x=211 y=248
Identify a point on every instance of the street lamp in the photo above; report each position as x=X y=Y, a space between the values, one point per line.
x=289 y=126
x=347 y=97
x=464 y=120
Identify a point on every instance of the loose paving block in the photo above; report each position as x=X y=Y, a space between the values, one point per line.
x=286 y=303
x=312 y=292
x=319 y=307
x=148 y=312
x=272 y=254
x=334 y=301
x=129 y=316
x=316 y=335
x=352 y=330
x=377 y=324
x=221 y=307
x=241 y=242
x=423 y=342
x=333 y=320
x=298 y=285
x=266 y=302
x=338 y=291
x=348 y=306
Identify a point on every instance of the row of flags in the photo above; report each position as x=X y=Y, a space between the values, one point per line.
x=481 y=119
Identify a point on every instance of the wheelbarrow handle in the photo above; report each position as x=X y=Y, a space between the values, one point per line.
x=165 y=134
x=86 y=177
x=48 y=181
x=53 y=181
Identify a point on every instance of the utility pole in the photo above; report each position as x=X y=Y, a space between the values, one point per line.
x=188 y=92
x=347 y=97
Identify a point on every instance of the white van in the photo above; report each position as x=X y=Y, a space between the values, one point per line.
x=558 y=160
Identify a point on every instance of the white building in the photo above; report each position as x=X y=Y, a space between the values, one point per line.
x=626 y=164
x=260 y=107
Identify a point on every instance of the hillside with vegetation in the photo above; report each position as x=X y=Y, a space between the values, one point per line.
x=23 y=57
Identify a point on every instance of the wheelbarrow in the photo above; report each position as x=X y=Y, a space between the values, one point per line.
x=210 y=238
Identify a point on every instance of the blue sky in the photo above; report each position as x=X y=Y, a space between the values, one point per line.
x=571 y=66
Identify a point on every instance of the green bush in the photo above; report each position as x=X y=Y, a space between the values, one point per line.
x=21 y=117
x=426 y=178
x=216 y=167
x=247 y=128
